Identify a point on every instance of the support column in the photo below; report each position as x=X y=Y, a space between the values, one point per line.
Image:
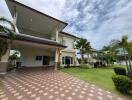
x=57 y=58
x=57 y=52
x=57 y=33
x=4 y=62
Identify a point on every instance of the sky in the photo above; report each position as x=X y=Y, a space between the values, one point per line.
x=99 y=21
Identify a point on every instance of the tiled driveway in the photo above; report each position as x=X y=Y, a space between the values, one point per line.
x=40 y=84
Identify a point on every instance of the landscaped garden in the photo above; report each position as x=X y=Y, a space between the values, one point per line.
x=99 y=66
x=101 y=77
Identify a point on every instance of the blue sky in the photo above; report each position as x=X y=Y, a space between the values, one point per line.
x=99 y=21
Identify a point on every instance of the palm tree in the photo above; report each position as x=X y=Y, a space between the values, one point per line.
x=108 y=54
x=4 y=43
x=83 y=46
x=125 y=45
x=89 y=52
x=129 y=50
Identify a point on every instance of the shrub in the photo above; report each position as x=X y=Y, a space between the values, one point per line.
x=10 y=67
x=122 y=83
x=130 y=76
x=69 y=66
x=120 y=71
x=84 y=66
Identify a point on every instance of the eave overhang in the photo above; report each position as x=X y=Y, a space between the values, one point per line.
x=33 y=20
x=67 y=34
x=32 y=39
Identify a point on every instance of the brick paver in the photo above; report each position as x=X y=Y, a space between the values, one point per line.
x=40 y=84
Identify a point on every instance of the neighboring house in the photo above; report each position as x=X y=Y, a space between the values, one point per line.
x=40 y=39
x=120 y=52
x=92 y=58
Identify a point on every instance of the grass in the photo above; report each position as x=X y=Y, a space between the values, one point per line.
x=101 y=77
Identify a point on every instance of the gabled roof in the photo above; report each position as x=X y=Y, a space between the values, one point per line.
x=70 y=35
x=33 y=39
x=30 y=20
x=18 y=3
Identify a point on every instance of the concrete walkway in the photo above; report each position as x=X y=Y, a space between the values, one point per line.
x=40 y=84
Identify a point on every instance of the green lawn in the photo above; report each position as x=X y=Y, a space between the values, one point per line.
x=101 y=77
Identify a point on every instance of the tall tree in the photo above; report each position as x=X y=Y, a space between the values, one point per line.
x=129 y=50
x=125 y=45
x=108 y=54
x=4 y=43
x=83 y=46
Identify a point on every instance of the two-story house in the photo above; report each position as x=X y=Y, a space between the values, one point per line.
x=40 y=38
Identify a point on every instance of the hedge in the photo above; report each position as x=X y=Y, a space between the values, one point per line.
x=122 y=83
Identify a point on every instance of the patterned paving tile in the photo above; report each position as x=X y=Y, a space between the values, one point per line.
x=40 y=84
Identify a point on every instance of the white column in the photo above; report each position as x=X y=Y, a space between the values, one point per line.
x=57 y=35
x=57 y=51
x=56 y=55
x=57 y=58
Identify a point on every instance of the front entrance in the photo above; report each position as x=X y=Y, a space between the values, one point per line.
x=67 y=60
x=46 y=60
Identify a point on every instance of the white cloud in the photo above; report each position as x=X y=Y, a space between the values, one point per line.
x=4 y=10
x=97 y=20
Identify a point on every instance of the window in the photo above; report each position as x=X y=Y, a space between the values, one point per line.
x=63 y=42
x=38 y=58
x=52 y=58
x=63 y=60
x=73 y=45
x=67 y=60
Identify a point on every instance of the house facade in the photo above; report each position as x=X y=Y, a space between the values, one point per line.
x=40 y=38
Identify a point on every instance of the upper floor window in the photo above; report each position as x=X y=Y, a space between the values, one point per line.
x=73 y=44
x=63 y=42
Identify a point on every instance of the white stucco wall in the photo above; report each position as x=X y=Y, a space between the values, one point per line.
x=29 y=52
x=28 y=56
x=63 y=54
x=69 y=51
x=69 y=41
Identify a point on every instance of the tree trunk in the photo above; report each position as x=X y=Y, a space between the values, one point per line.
x=0 y=57
x=130 y=65
x=125 y=57
x=88 y=59
x=82 y=61
x=81 y=56
x=120 y=62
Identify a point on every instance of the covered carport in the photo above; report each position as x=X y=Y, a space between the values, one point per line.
x=30 y=47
